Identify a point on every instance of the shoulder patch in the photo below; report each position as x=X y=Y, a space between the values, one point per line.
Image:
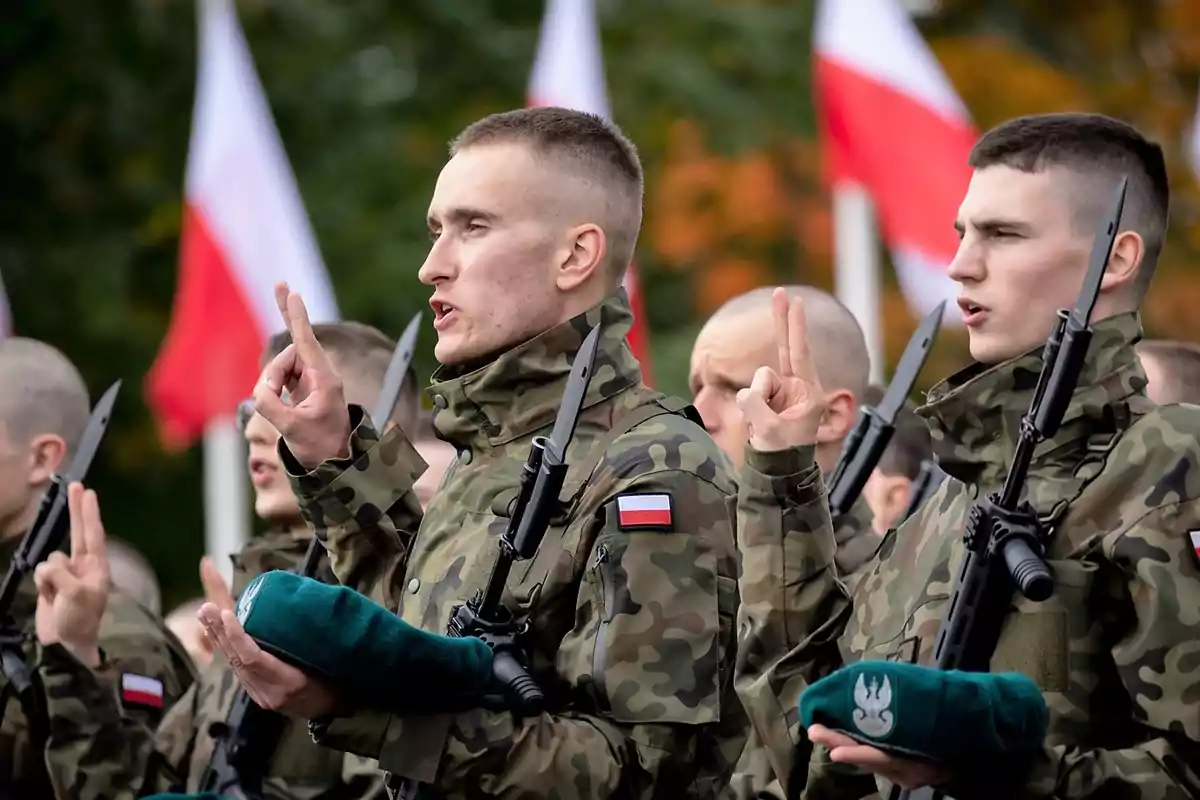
x=141 y=690
x=1194 y=536
x=645 y=511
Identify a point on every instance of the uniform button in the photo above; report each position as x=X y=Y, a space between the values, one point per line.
x=439 y=400
x=414 y=586
x=465 y=456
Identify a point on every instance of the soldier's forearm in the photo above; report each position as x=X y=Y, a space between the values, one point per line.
x=363 y=508
x=93 y=750
x=793 y=605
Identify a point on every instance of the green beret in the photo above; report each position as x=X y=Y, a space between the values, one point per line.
x=375 y=658
x=949 y=717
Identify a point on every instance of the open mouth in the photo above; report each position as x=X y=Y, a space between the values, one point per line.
x=443 y=314
x=261 y=471
x=972 y=312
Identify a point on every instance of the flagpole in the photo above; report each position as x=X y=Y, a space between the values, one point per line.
x=226 y=499
x=857 y=269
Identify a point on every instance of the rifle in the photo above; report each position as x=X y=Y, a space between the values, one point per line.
x=247 y=739
x=48 y=533
x=866 y=443
x=485 y=615
x=926 y=483
x=1004 y=540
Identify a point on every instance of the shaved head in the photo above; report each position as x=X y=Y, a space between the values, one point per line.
x=43 y=393
x=740 y=337
x=1173 y=370
x=836 y=341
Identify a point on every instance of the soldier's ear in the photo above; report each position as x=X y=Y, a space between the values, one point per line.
x=46 y=454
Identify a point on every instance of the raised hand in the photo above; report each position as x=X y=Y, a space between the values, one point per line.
x=314 y=423
x=73 y=590
x=784 y=409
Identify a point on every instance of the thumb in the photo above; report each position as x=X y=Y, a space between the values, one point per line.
x=53 y=576
x=754 y=408
x=271 y=406
x=215 y=590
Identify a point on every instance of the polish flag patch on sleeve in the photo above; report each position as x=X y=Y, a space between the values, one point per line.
x=1195 y=537
x=140 y=690
x=635 y=511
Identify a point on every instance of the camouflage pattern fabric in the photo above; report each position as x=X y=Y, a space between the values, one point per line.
x=132 y=640
x=1115 y=648
x=97 y=753
x=631 y=631
x=793 y=607
x=856 y=541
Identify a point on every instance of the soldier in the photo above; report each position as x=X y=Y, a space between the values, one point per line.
x=105 y=756
x=631 y=599
x=889 y=488
x=737 y=339
x=1116 y=488
x=1173 y=369
x=44 y=409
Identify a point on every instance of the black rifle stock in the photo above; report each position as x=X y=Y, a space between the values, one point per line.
x=866 y=444
x=485 y=615
x=1003 y=540
x=48 y=533
x=247 y=739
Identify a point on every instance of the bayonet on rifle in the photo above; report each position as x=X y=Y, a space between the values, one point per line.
x=485 y=615
x=867 y=442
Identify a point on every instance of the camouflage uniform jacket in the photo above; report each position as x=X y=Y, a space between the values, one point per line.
x=132 y=642
x=856 y=541
x=1114 y=649
x=793 y=605
x=631 y=627
x=108 y=756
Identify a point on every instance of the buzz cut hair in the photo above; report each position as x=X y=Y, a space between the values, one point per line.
x=1100 y=150
x=592 y=148
x=43 y=394
x=1179 y=365
x=361 y=355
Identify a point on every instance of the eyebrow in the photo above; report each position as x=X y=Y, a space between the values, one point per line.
x=462 y=214
x=992 y=225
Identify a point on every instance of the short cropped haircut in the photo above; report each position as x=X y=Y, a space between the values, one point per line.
x=1179 y=363
x=1099 y=149
x=591 y=147
x=910 y=444
x=836 y=341
x=43 y=393
x=361 y=354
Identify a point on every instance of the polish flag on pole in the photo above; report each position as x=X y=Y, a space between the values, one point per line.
x=244 y=228
x=896 y=131
x=569 y=72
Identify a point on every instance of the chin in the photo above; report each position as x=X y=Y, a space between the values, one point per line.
x=276 y=509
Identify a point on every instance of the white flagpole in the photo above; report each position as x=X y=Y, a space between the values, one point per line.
x=226 y=498
x=856 y=267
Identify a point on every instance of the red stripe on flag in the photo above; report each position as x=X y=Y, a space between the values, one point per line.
x=912 y=159
x=209 y=360
x=142 y=698
x=649 y=516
